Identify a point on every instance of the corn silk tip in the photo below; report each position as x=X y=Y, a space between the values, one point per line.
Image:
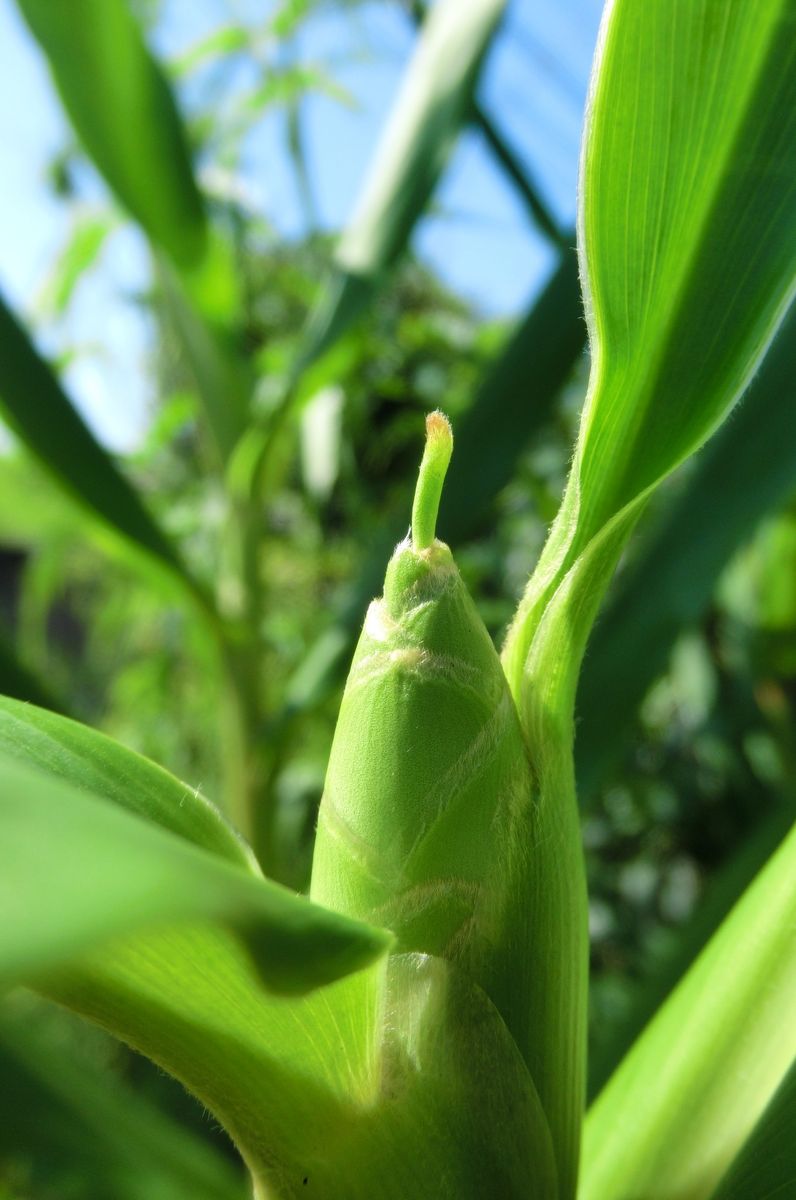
x=431 y=477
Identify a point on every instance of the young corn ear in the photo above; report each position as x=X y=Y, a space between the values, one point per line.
x=425 y=820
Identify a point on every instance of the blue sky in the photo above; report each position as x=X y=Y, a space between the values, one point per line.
x=477 y=235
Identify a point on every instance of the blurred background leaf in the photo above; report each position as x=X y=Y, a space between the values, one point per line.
x=71 y=1126
x=686 y=754
x=123 y=111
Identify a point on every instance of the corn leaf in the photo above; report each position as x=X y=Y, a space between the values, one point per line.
x=78 y=755
x=350 y=1088
x=688 y=271
x=687 y=237
x=419 y=134
x=429 y=111
x=223 y=42
x=721 y=894
x=204 y=306
x=124 y=113
x=122 y=108
x=38 y=410
x=766 y=1167
x=63 y=1117
x=77 y=872
x=683 y=1102
x=284 y=1076
x=671 y=580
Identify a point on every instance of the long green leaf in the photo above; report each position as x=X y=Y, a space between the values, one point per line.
x=426 y=117
x=122 y=108
x=350 y=1088
x=76 y=872
x=721 y=894
x=766 y=1167
x=285 y=1077
x=63 y=1118
x=80 y=756
x=687 y=236
x=516 y=172
x=670 y=583
x=40 y=413
x=683 y=1102
x=417 y=139
x=687 y=271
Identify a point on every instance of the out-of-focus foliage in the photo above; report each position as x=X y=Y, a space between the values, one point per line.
x=702 y=781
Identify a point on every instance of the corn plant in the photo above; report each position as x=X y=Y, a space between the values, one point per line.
x=417 y=1025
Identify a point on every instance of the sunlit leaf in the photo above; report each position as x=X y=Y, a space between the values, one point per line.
x=413 y=149
x=122 y=108
x=77 y=872
x=765 y=1169
x=352 y=1087
x=417 y=139
x=285 y=1076
x=83 y=246
x=280 y=87
x=670 y=582
x=222 y=42
x=40 y=413
x=689 y=1093
x=687 y=272
x=687 y=236
x=670 y=964
x=81 y=756
x=120 y=104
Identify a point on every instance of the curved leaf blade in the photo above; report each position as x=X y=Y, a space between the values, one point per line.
x=285 y=1076
x=669 y=584
x=682 y=1103
x=354 y=1083
x=766 y=1167
x=76 y=872
x=40 y=413
x=687 y=271
x=688 y=173
x=427 y=115
x=124 y=113
x=79 y=755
